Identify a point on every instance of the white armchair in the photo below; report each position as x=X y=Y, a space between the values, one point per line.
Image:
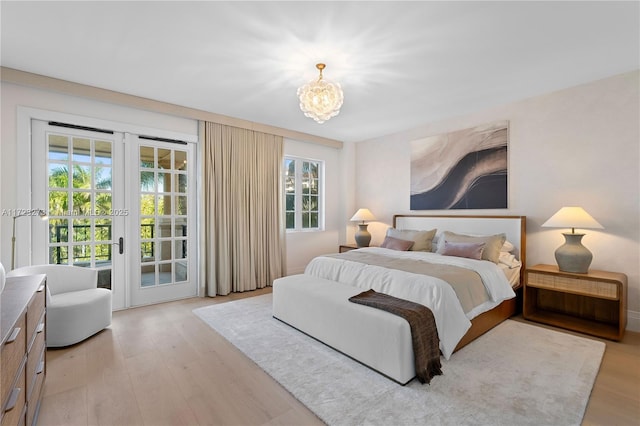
x=76 y=307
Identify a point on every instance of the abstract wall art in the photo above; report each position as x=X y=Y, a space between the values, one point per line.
x=465 y=169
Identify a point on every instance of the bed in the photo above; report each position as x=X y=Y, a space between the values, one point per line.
x=316 y=302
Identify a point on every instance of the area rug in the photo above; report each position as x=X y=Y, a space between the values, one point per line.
x=516 y=374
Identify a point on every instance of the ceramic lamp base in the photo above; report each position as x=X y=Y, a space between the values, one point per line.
x=572 y=256
x=363 y=237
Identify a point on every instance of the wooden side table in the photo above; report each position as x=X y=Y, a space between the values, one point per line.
x=346 y=247
x=594 y=303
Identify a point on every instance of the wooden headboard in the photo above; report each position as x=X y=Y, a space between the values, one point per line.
x=513 y=226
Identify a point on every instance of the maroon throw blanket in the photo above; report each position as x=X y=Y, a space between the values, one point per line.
x=424 y=334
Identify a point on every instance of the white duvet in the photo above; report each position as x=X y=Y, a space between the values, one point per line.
x=432 y=292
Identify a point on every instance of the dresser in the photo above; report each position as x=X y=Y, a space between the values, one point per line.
x=23 y=352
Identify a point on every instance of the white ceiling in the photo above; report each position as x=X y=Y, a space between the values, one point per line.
x=401 y=64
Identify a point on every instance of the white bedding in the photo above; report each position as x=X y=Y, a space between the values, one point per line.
x=436 y=294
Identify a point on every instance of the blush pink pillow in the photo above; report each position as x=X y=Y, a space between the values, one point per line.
x=396 y=244
x=469 y=250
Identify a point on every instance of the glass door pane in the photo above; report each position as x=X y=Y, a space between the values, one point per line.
x=80 y=194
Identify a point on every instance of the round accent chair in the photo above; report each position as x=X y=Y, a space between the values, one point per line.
x=76 y=307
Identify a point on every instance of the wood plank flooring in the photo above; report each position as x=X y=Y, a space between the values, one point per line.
x=161 y=365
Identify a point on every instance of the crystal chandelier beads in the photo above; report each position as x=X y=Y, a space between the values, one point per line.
x=320 y=99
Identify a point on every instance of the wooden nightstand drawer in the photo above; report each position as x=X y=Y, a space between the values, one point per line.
x=587 y=287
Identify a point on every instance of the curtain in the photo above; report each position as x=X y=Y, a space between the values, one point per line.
x=244 y=224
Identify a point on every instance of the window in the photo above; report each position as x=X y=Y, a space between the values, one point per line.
x=303 y=194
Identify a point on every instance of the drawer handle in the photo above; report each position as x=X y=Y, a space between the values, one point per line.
x=40 y=289
x=40 y=328
x=14 y=335
x=13 y=399
x=40 y=367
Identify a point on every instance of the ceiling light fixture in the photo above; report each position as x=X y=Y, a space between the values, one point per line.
x=320 y=99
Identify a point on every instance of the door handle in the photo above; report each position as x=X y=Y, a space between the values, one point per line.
x=120 y=244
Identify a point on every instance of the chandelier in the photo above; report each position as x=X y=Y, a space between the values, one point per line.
x=320 y=99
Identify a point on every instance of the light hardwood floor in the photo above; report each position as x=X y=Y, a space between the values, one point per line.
x=161 y=365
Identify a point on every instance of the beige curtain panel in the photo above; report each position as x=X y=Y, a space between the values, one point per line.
x=244 y=224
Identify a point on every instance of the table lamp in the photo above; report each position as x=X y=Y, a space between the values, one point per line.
x=572 y=256
x=363 y=237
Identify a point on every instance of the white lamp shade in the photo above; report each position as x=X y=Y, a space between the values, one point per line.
x=363 y=215
x=572 y=217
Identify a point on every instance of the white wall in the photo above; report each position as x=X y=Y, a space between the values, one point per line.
x=305 y=245
x=579 y=146
x=13 y=189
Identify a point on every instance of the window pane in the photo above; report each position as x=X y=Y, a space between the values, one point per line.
x=147 y=159
x=81 y=230
x=165 y=250
x=81 y=177
x=147 y=205
x=180 y=183
x=103 y=152
x=164 y=182
x=103 y=204
x=103 y=177
x=104 y=278
x=58 y=176
x=58 y=230
x=147 y=182
x=103 y=254
x=181 y=271
x=181 y=249
x=81 y=203
x=148 y=275
x=58 y=255
x=291 y=202
x=58 y=203
x=314 y=220
x=103 y=230
x=58 y=147
x=82 y=150
x=305 y=220
x=164 y=205
x=82 y=255
x=181 y=160
x=164 y=159
x=181 y=205
x=164 y=277
x=290 y=216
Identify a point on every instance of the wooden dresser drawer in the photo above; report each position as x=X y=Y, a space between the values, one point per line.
x=15 y=405
x=587 y=287
x=13 y=352
x=34 y=313
x=34 y=361
x=34 y=399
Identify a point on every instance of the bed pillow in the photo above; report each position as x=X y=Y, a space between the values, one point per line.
x=493 y=243
x=421 y=239
x=507 y=247
x=396 y=244
x=468 y=250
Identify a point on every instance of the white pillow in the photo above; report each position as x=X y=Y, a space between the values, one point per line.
x=507 y=247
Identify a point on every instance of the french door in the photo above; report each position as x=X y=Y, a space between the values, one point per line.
x=117 y=203
x=163 y=221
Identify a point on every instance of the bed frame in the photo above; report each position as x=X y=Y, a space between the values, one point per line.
x=515 y=229
x=378 y=339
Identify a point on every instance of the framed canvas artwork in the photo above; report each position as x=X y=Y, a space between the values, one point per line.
x=465 y=169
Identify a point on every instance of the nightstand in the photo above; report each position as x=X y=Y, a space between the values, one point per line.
x=346 y=247
x=593 y=303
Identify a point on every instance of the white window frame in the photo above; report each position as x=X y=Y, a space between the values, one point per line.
x=298 y=193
